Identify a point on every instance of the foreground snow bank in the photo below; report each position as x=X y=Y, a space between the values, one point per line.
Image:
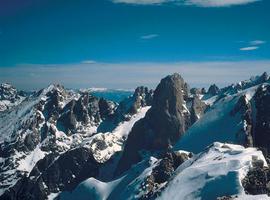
x=213 y=173
x=216 y=172
x=126 y=187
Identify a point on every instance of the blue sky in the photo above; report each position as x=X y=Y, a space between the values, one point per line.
x=37 y=34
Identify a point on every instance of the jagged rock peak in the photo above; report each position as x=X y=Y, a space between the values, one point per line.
x=265 y=76
x=142 y=97
x=6 y=85
x=172 y=85
x=9 y=96
x=7 y=91
x=197 y=91
x=168 y=115
x=213 y=90
x=164 y=123
x=261 y=129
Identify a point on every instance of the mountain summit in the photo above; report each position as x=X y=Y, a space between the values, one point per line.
x=64 y=144
x=164 y=123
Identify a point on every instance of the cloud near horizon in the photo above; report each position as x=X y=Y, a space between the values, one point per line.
x=88 y=62
x=130 y=75
x=199 y=3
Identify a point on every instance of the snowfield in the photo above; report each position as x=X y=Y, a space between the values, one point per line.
x=125 y=187
x=216 y=172
x=217 y=124
x=113 y=141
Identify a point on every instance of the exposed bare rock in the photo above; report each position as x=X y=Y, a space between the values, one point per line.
x=53 y=174
x=213 y=90
x=261 y=134
x=164 y=123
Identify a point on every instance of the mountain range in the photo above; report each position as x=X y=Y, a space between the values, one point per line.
x=173 y=142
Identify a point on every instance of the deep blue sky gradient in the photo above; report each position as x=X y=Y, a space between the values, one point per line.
x=48 y=41
x=71 y=31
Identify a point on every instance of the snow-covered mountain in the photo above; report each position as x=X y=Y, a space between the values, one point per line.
x=215 y=172
x=9 y=96
x=170 y=143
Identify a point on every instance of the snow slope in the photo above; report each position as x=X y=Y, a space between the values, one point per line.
x=113 y=141
x=215 y=172
x=217 y=124
x=123 y=188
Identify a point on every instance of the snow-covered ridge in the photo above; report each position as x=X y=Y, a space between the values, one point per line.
x=221 y=164
x=104 y=145
x=55 y=124
x=9 y=97
x=217 y=124
x=216 y=172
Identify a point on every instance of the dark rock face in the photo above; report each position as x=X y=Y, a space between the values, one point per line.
x=162 y=173
x=234 y=88
x=55 y=109
x=257 y=181
x=87 y=109
x=197 y=91
x=106 y=108
x=164 y=123
x=141 y=97
x=52 y=106
x=53 y=174
x=126 y=108
x=197 y=109
x=261 y=134
x=255 y=114
x=244 y=108
x=168 y=165
x=213 y=90
x=9 y=96
x=8 y=92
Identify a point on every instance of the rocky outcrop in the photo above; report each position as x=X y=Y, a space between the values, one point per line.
x=8 y=92
x=261 y=127
x=242 y=85
x=141 y=97
x=156 y=181
x=243 y=107
x=197 y=109
x=9 y=96
x=257 y=180
x=213 y=90
x=106 y=108
x=197 y=91
x=85 y=110
x=129 y=106
x=53 y=174
x=164 y=123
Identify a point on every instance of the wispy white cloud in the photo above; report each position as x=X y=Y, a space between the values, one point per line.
x=251 y=48
x=129 y=75
x=200 y=3
x=256 y=42
x=88 y=62
x=218 y=3
x=150 y=36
